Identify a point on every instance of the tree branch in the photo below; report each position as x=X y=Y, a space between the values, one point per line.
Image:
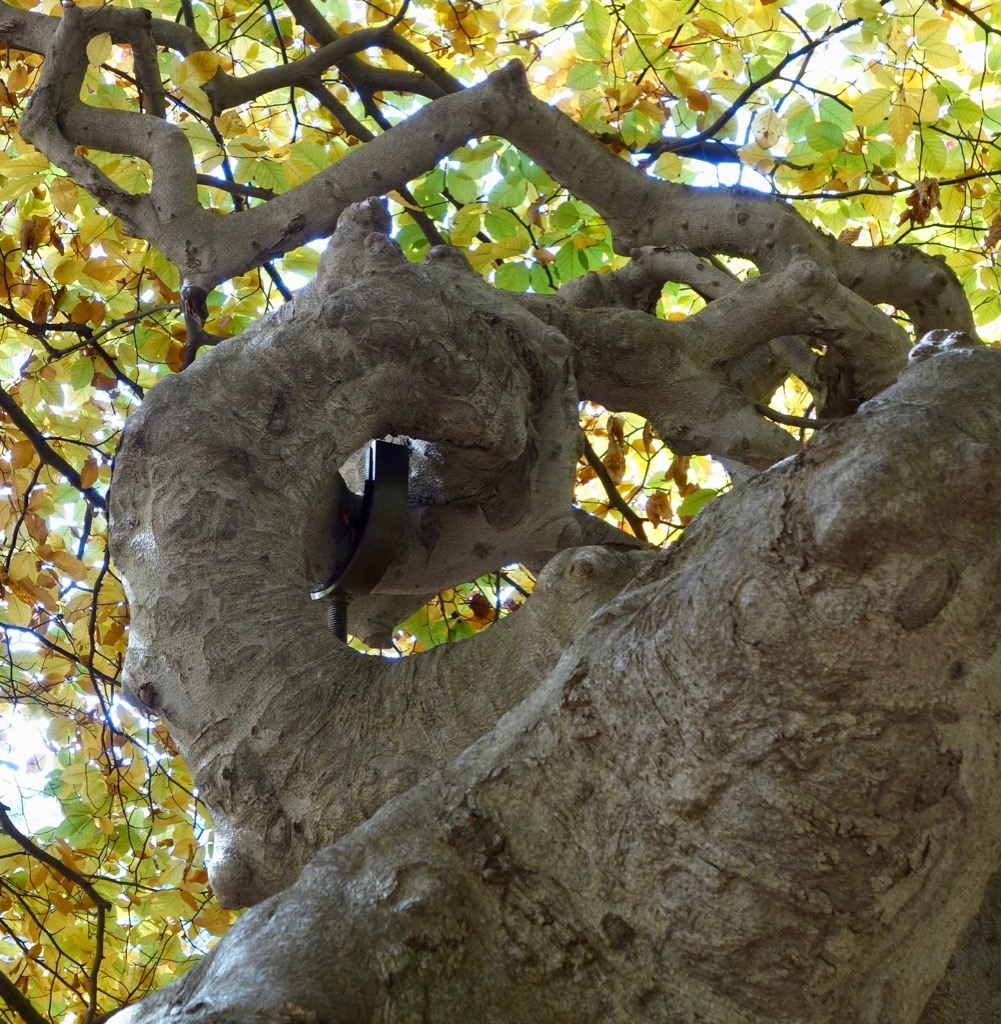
x=19 y=1002
x=101 y=905
x=615 y=500
x=639 y=210
x=45 y=451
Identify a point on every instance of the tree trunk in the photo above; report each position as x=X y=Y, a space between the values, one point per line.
x=758 y=785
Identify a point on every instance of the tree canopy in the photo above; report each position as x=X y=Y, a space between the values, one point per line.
x=167 y=180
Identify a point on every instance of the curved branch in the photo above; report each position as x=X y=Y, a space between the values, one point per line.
x=226 y=91
x=639 y=210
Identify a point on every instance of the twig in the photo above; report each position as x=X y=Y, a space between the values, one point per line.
x=18 y=1002
x=71 y=656
x=975 y=18
x=614 y=498
x=795 y=421
x=45 y=451
x=100 y=903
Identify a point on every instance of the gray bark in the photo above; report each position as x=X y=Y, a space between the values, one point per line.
x=758 y=786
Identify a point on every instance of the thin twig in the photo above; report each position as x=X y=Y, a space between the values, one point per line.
x=45 y=451
x=100 y=903
x=795 y=421
x=615 y=500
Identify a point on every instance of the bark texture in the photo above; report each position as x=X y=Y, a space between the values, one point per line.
x=759 y=786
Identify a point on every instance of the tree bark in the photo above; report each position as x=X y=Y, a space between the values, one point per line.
x=759 y=785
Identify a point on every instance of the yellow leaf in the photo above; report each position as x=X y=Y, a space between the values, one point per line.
x=197 y=99
x=214 y=919
x=18 y=78
x=768 y=128
x=18 y=613
x=67 y=271
x=99 y=48
x=21 y=454
x=197 y=68
x=872 y=107
x=88 y=475
x=397 y=198
x=69 y=564
x=64 y=193
x=100 y=268
x=900 y=123
x=710 y=27
x=30 y=163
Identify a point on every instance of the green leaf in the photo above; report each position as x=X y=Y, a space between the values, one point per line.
x=463 y=188
x=412 y=241
x=563 y=12
x=268 y=174
x=824 y=136
x=965 y=111
x=881 y=153
x=872 y=107
x=466 y=223
x=567 y=215
x=933 y=152
x=696 y=501
x=638 y=129
x=306 y=159
x=836 y=113
x=81 y=373
x=513 y=276
x=583 y=76
x=502 y=224
x=509 y=193
x=568 y=263
x=597 y=20
x=588 y=47
x=164 y=269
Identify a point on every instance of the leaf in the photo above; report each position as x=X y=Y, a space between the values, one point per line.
x=99 y=48
x=696 y=501
x=21 y=454
x=932 y=38
x=900 y=123
x=512 y=276
x=823 y=136
x=872 y=107
x=197 y=68
x=69 y=564
x=81 y=373
x=597 y=21
x=923 y=198
x=583 y=75
x=965 y=111
x=768 y=128
x=270 y=175
x=934 y=155
x=90 y=472
x=64 y=193
x=658 y=508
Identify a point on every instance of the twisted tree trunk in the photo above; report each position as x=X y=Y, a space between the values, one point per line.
x=758 y=785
